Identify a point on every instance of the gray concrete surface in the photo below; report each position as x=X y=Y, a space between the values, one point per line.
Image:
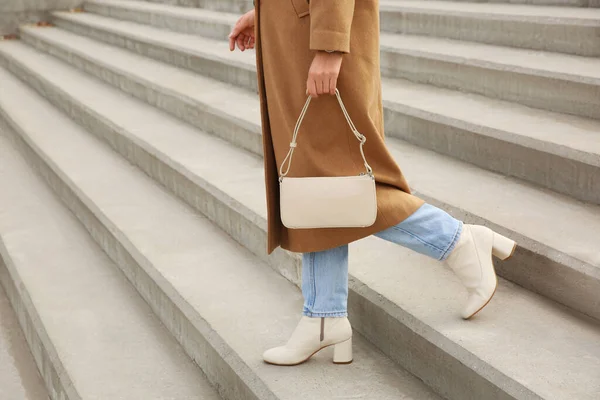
x=19 y=376
x=557 y=29
x=10 y=21
x=16 y=12
x=423 y=335
x=205 y=287
x=567 y=271
x=550 y=81
x=97 y=334
x=202 y=22
x=237 y=6
x=201 y=55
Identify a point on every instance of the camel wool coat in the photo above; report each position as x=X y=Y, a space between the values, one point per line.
x=288 y=33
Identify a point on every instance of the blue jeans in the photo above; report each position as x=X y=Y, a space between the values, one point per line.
x=428 y=231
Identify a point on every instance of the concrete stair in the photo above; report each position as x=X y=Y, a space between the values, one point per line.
x=164 y=172
x=199 y=21
x=564 y=30
x=19 y=376
x=215 y=297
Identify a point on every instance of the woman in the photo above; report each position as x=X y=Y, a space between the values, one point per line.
x=313 y=47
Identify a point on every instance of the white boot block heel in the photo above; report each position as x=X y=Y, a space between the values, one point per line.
x=342 y=352
x=503 y=247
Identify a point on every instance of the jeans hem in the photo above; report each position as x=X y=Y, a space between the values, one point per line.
x=454 y=242
x=329 y=314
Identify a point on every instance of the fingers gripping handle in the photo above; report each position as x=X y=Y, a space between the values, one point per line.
x=359 y=136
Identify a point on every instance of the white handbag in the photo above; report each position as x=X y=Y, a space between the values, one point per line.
x=327 y=202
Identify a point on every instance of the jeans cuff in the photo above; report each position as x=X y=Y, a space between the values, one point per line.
x=455 y=241
x=329 y=314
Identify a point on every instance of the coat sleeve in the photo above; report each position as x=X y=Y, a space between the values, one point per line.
x=330 y=23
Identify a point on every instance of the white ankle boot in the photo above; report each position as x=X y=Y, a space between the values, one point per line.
x=471 y=261
x=312 y=335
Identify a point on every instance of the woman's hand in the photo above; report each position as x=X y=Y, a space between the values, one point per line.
x=243 y=32
x=323 y=73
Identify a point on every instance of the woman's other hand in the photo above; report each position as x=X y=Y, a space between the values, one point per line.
x=243 y=32
x=323 y=73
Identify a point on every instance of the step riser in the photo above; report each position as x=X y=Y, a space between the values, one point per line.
x=48 y=370
x=530 y=267
x=184 y=25
x=531 y=90
x=11 y=20
x=572 y=39
x=561 y=174
x=233 y=6
x=224 y=369
x=216 y=69
x=413 y=351
x=563 y=3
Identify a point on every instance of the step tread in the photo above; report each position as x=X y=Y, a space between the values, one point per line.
x=552 y=65
x=524 y=12
x=19 y=376
x=203 y=263
x=513 y=320
x=105 y=335
x=432 y=175
x=178 y=11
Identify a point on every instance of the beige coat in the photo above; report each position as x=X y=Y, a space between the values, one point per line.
x=288 y=34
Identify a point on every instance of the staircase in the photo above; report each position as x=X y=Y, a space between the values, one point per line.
x=133 y=220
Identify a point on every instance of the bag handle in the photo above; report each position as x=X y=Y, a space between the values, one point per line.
x=361 y=138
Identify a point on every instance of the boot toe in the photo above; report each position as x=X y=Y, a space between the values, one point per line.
x=272 y=356
x=476 y=303
x=284 y=356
